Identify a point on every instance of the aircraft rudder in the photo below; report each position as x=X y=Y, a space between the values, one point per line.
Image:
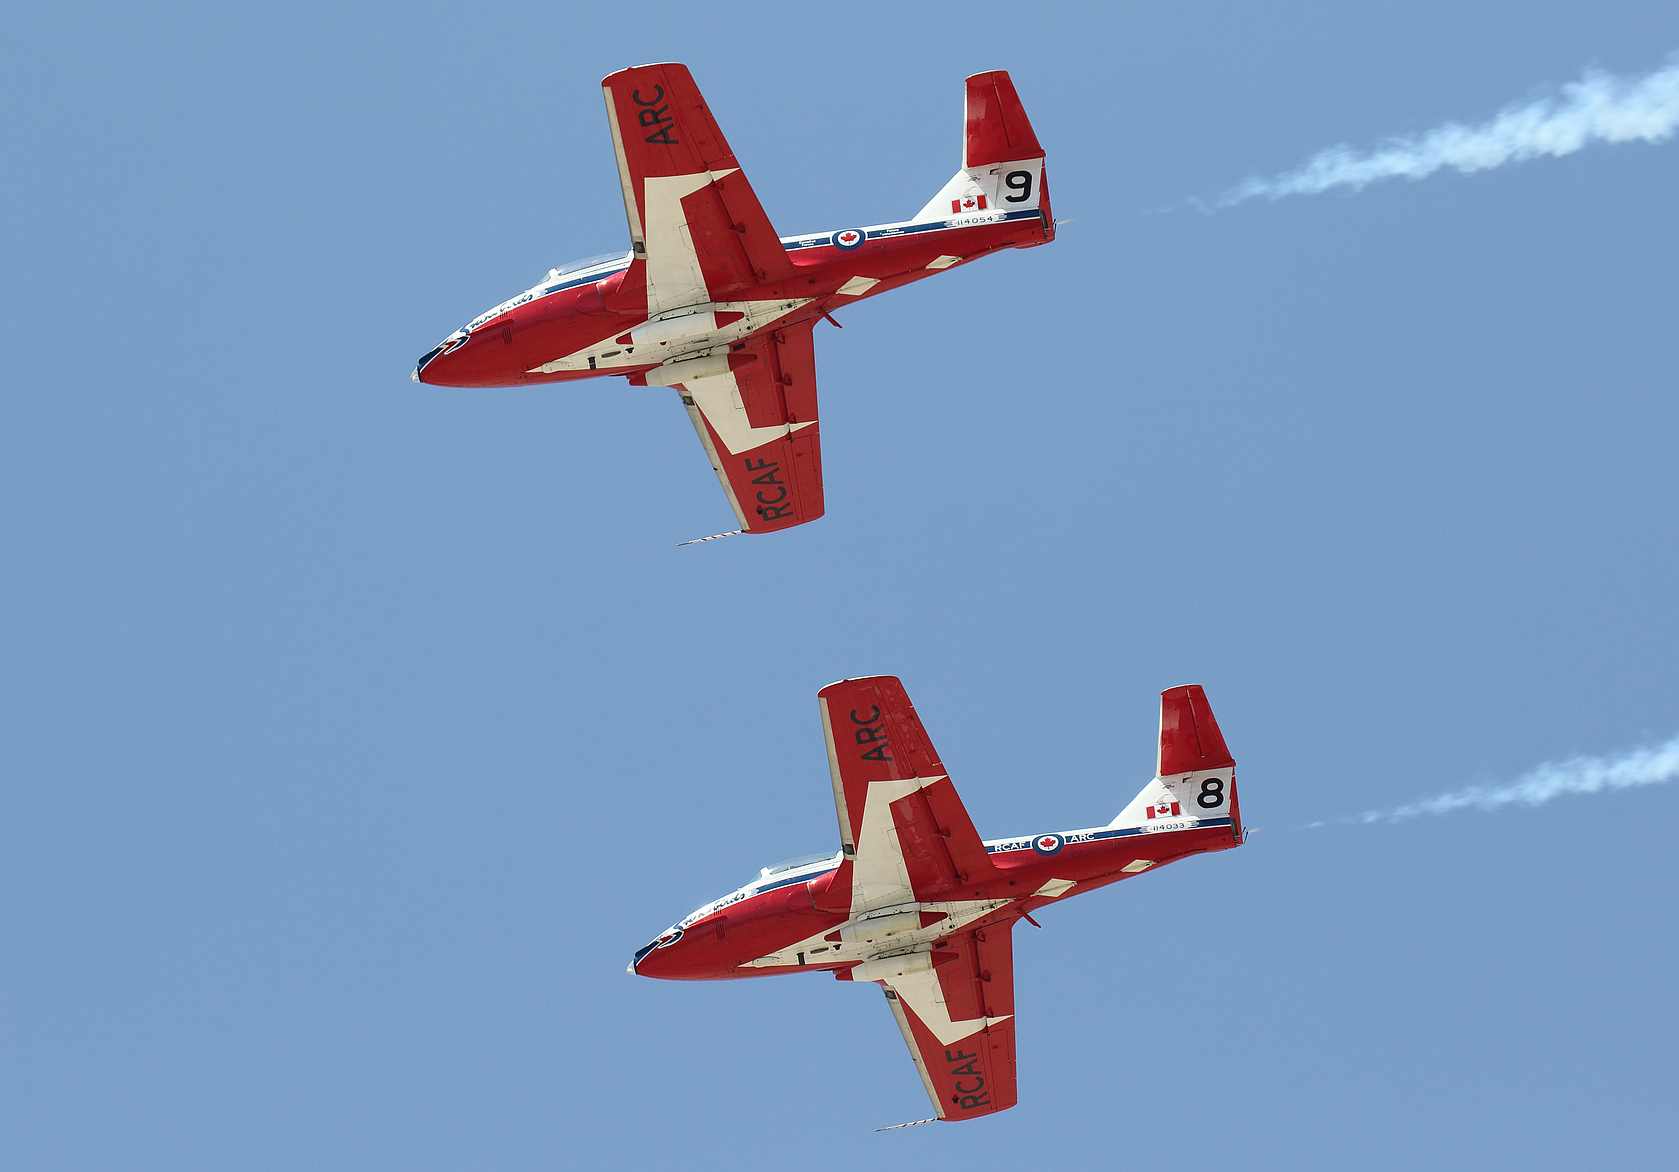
x=1190 y=739
x=996 y=129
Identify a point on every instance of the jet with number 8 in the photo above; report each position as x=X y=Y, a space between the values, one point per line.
x=710 y=301
x=916 y=902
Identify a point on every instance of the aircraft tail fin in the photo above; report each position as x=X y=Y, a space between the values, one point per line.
x=1195 y=778
x=996 y=129
x=1002 y=162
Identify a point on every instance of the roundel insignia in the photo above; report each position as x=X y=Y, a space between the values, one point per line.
x=1047 y=844
x=848 y=238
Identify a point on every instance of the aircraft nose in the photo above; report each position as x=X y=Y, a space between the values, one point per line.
x=425 y=358
x=653 y=960
x=429 y=369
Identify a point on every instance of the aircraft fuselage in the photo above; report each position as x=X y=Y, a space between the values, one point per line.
x=789 y=923
x=598 y=321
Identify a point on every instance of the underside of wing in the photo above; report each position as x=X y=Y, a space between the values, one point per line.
x=695 y=223
x=905 y=832
x=758 y=424
x=956 y=1013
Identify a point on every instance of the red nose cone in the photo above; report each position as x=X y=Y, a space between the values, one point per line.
x=480 y=360
x=664 y=963
x=701 y=953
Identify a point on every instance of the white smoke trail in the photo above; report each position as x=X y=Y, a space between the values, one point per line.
x=1600 y=107
x=1577 y=775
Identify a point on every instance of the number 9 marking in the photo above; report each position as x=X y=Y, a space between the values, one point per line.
x=1020 y=181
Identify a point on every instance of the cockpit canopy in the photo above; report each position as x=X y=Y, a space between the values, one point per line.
x=588 y=262
x=793 y=864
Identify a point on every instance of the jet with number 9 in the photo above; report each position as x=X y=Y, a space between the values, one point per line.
x=709 y=301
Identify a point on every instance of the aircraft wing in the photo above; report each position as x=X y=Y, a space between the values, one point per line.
x=958 y=1018
x=758 y=425
x=696 y=225
x=905 y=833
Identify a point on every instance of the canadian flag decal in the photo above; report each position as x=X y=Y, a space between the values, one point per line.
x=970 y=203
x=1164 y=811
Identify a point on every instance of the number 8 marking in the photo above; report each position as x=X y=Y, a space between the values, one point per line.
x=1212 y=793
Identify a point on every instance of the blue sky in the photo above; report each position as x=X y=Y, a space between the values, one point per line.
x=357 y=732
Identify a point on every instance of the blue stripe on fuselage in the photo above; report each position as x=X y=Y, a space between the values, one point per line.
x=789 y=882
x=884 y=231
x=1074 y=837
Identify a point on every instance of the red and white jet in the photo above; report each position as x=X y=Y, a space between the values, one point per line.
x=710 y=301
x=916 y=902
